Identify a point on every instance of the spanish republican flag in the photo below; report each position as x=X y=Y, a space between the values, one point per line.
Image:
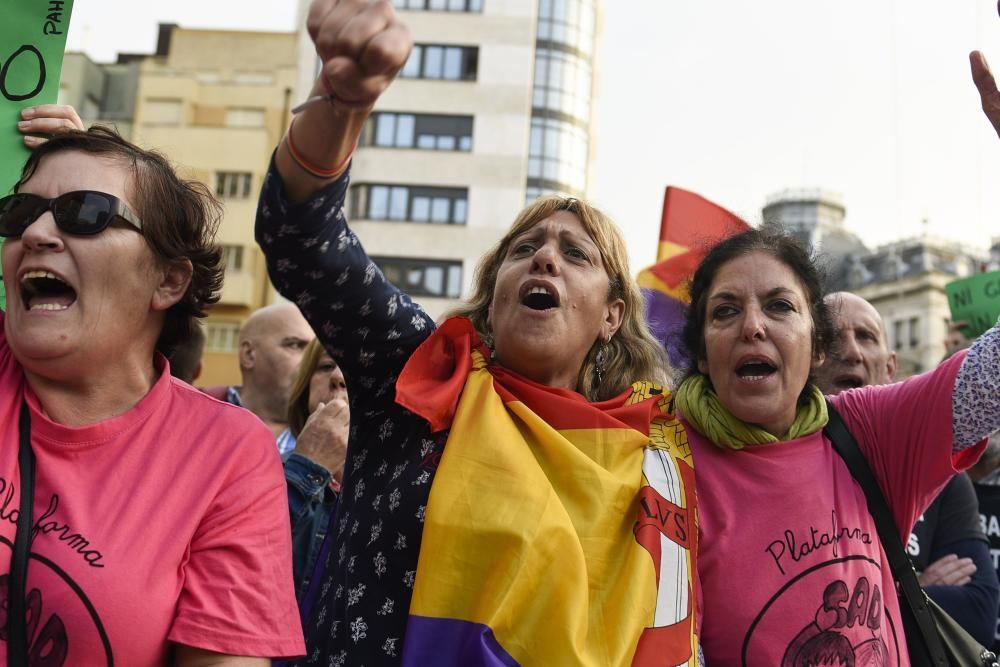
x=691 y=225
x=558 y=531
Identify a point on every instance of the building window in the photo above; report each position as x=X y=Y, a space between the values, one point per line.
x=423 y=277
x=424 y=131
x=569 y=22
x=244 y=117
x=410 y=203
x=914 y=332
x=451 y=63
x=440 y=5
x=557 y=153
x=232 y=184
x=162 y=112
x=897 y=334
x=562 y=83
x=232 y=257
x=222 y=336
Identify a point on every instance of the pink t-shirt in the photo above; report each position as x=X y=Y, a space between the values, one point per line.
x=790 y=567
x=166 y=524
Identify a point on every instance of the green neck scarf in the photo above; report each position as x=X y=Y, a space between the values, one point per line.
x=702 y=408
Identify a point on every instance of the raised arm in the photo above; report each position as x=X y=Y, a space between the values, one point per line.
x=976 y=399
x=362 y=46
x=314 y=259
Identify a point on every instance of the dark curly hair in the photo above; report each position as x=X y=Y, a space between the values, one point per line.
x=179 y=219
x=786 y=250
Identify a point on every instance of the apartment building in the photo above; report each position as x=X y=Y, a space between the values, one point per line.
x=216 y=102
x=493 y=109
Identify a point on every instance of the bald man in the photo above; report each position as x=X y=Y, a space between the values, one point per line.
x=272 y=341
x=947 y=546
x=861 y=354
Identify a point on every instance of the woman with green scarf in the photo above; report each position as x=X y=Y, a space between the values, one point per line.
x=790 y=566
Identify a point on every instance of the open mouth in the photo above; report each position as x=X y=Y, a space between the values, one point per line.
x=539 y=298
x=756 y=370
x=848 y=382
x=43 y=290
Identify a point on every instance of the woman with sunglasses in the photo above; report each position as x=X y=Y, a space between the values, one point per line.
x=158 y=532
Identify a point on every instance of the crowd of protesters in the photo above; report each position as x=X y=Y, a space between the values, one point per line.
x=528 y=481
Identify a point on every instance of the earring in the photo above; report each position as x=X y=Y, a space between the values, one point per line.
x=599 y=360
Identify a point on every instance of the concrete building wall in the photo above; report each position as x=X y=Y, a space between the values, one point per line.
x=100 y=92
x=82 y=85
x=216 y=104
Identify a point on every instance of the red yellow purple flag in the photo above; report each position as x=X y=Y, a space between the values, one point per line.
x=558 y=531
x=690 y=226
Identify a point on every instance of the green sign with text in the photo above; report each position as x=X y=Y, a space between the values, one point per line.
x=976 y=300
x=32 y=43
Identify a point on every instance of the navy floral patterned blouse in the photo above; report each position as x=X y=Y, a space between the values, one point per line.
x=356 y=609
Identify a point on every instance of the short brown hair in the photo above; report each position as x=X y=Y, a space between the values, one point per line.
x=633 y=354
x=179 y=219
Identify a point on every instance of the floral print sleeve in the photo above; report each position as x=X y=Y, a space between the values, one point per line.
x=314 y=259
x=975 y=401
x=355 y=612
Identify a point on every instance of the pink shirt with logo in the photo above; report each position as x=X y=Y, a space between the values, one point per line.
x=790 y=566
x=166 y=524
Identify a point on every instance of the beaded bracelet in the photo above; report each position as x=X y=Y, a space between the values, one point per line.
x=309 y=167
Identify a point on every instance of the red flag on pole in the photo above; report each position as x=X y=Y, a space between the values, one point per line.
x=690 y=226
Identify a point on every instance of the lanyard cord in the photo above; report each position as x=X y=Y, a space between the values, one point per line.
x=17 y=640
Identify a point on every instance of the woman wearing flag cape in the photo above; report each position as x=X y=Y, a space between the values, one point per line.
x=516 y=491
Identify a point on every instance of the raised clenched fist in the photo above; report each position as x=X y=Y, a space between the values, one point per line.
x=362 y=45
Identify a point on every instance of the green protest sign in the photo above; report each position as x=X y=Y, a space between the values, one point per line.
x=976 y=300
x=32 y=42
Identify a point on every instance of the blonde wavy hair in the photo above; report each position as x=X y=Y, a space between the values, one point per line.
x=633 y=354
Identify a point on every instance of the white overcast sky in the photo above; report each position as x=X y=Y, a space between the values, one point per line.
x=737 y=100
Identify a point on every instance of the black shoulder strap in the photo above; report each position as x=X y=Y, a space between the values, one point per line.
x=17 y=636
x=888 y=531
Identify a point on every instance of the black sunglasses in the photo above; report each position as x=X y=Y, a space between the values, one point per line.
x=77 y=212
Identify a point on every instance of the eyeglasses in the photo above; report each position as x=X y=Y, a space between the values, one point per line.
x=81 y=212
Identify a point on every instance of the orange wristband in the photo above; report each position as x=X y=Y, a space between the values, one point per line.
x=309 y=167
